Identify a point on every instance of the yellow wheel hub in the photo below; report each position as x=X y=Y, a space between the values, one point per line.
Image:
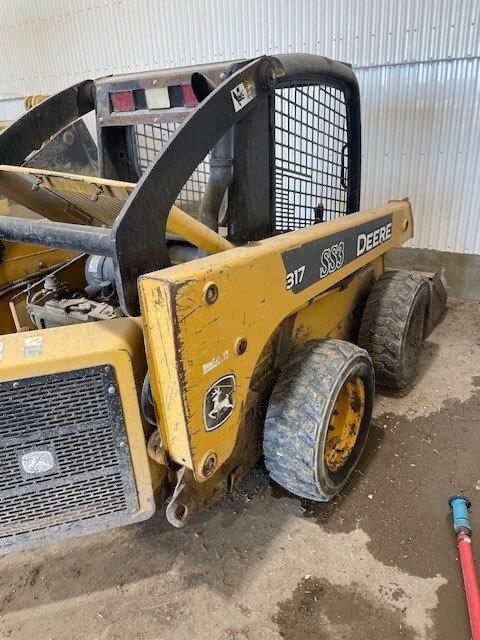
x=344 y=426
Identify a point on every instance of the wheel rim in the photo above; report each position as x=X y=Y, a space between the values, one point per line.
x=344 y=425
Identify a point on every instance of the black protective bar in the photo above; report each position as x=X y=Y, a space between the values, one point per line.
x=139 y=230
x=41 y=123
x=62 y=235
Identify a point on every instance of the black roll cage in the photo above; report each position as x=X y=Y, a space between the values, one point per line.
x=137 y=240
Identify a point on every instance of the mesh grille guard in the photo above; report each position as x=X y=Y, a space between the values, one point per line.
x=65 y=466
x=310 y=155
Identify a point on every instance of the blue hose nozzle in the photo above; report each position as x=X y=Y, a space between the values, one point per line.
x=460 y=506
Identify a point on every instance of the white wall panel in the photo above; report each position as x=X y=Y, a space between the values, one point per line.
x=49 y=43
x=11 y=109
x=418 y=63
x=421 y=136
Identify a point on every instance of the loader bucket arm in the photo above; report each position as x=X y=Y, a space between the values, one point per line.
x=29 y=134
x=136 y=242
x=32 y=130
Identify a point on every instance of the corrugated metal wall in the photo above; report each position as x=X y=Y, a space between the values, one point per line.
x=421 y=132
x=418 y=64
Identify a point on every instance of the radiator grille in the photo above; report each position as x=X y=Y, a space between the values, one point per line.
x=148 y=142
x=23 y=409
x=72 y=425
x=310 y=155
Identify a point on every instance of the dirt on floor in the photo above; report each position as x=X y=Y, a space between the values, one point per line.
x=377 y=563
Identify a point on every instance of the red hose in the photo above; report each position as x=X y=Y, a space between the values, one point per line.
x=472 y=591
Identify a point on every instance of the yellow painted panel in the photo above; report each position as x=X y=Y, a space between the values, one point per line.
x=22 y=260
x=333 y=314
x=117 y=343
x=109 y=196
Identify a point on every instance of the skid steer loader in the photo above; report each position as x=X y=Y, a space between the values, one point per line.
x=212 y=295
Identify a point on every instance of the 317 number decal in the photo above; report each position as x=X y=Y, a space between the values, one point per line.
x=295 y=277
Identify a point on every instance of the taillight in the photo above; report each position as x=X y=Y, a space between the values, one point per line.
x=122 y=101
x=177 y=95
x=189 y=99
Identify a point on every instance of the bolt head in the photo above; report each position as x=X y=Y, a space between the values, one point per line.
x=210 y=293
x=209 y=465
x=241 y=346
x=68 y=138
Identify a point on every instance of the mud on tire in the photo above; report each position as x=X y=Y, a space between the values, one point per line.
x=299 y=417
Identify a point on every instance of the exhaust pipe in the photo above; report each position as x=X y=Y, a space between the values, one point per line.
x=221 y=162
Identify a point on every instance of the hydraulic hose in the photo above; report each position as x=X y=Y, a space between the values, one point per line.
x=463 y=529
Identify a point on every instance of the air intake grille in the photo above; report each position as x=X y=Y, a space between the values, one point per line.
x=65 y=465
x=148 y=142
x=310 y=155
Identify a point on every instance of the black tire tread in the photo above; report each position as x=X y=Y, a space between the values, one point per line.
x=385 y=320
x=298 y=400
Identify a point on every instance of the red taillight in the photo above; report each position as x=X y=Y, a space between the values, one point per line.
x=189 y=99
x=122 y=101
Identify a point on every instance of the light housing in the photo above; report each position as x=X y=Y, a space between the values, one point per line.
x=176 y=95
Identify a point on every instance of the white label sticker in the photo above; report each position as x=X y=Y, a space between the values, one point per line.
x=214 y=362
x=33 y=346
x=243 y=93
x=2 y=350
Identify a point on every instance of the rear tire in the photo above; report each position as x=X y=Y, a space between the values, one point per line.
x=318 y=418
x=393 y=326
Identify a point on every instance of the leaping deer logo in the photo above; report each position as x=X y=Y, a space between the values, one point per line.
x=221 y=401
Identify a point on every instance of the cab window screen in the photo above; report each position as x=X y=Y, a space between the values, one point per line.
x=310 y=155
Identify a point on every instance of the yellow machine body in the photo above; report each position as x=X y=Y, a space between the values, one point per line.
x=104 y=415
x=233 y=315
x=214 y=317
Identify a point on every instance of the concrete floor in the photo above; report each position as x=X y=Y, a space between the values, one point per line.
x=379 y=562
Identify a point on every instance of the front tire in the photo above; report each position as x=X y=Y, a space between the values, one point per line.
x=318 y=418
